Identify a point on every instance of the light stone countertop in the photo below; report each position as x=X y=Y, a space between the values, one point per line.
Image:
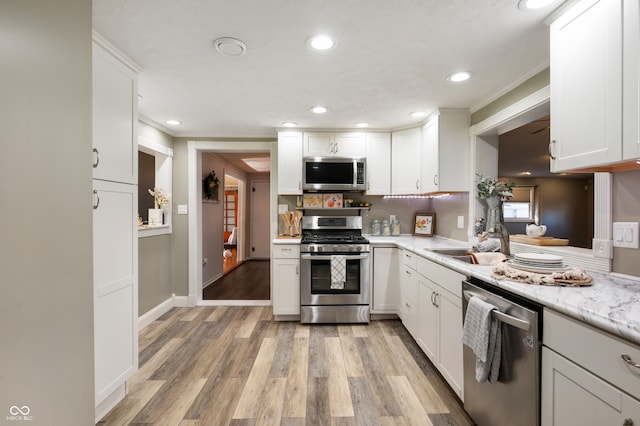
x=611 y=303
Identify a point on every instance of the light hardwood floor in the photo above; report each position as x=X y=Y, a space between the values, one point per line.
x=236 y=366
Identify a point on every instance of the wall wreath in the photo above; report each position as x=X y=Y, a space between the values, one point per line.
x=210 y=185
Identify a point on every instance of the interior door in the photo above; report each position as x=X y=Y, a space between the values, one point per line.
x=260 y=220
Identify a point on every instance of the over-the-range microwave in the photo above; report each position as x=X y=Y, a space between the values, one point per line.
x=333 y=174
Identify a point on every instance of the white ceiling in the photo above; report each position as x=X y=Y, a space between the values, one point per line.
x=392 y=58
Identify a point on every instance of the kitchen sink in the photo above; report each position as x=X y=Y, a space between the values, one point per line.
x=454 y=253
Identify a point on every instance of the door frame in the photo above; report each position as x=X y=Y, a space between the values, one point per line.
x=253 y=211
x=194 y=204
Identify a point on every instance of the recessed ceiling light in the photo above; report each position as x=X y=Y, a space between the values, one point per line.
x=418 y=114
x=321 y=42
x=534 y=4
x=458 y=77
x=289 y=124
x=319 y=109
x=230 y=46
x=173 y=122
x=362 y=125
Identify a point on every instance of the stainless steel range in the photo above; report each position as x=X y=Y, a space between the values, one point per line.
x=334 y=270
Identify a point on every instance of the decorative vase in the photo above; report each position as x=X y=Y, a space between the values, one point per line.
x=155 y=217
x=494 y=213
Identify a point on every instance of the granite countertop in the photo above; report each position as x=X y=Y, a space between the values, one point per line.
x=611 y=303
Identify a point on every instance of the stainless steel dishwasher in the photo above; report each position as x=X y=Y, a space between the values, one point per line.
x=514 y=399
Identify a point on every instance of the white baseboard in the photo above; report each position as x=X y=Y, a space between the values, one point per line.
x=181 y=301
x=110 y=401
x=155 y=313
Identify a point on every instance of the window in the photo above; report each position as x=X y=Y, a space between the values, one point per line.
x=522 y=207
x=155 y=170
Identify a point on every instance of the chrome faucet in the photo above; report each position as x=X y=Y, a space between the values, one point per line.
x=500 y=231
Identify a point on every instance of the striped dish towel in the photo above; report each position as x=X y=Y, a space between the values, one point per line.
x=338 y=271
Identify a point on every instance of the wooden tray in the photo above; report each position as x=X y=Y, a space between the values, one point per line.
x=539 y=241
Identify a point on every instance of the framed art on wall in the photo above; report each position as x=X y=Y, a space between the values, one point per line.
x=424 y=224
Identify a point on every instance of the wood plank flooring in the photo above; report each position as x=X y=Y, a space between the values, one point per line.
x=247 y=281
x=236 y=366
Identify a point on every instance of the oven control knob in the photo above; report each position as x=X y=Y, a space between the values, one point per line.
x=359 y=248
x=320 y=248
x=336 y=248
x=312 y=248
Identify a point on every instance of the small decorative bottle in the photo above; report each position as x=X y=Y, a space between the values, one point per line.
x=395 y=227
x=375 y=227
x=385 y=228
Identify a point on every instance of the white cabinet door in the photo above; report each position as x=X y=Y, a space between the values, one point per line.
x=450 y=339
x=445 y=151
x=430 y=156
x=115 y=97
x=318 y=144
x=405 y=161
x=573 y=396
x=386 y=291
x=286 y=279
x=378 y=163
x=349 y=144
x=409 y=299
x=427 y=318
x=586 y=85
x=290 y=163
x=115 y=275
x=631 y=81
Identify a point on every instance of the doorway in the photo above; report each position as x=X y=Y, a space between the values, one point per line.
x=195 y=152
x=230 y=223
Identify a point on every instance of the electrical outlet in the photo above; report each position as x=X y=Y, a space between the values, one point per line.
x=282 y=208
x=461 y=222
x=182 y=209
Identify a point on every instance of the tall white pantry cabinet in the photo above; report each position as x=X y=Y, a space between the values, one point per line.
x=115 y=228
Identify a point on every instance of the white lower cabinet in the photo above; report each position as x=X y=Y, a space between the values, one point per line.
x=440 y=320
x=408 y=311
x=286 y=279
x=386 y=290
x=572 y=395
x=115 y=275
x=585 y=380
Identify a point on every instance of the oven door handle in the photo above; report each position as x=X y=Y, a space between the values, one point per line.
x=348 y=257
x=505 y=318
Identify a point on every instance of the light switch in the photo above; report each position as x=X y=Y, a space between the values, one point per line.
x=461 y=222
x=625 y=234
x=282 y=208
x=182 y=209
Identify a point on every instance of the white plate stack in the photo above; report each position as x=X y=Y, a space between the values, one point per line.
x=539 y=263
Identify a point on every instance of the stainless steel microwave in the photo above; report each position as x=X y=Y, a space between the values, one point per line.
x=333 y=174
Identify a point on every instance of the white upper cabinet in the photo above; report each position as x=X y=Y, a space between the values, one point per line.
x=378 y=167
x=405 y=161
x=328 y=144
x=631 y=81
x=445 y=152
x=290 y=162
x=586 y=85
x=115 y=91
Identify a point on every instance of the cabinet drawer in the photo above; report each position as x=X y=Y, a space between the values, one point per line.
x=408 y=283
x=595 y=350
x=408 y=258
x=446 y=278
x=286 y=251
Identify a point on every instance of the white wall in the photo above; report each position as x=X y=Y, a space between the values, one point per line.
x=46 y=274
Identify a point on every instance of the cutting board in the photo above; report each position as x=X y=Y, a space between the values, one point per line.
x=539 y=241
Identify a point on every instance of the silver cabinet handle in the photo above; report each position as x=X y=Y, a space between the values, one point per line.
x=435 y=299
x=368 y=185
x=628 y=360
x=550 y=150
x=407 y=305
x=407 y=272
x=435 y=179
x=97 y=203
x=417 y=183
x=335 y=147
x=297 y=271
x=433 y=296
x=95 y=151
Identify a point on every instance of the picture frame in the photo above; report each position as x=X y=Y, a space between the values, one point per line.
x=424 y=224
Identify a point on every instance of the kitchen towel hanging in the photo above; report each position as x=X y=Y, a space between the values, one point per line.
x=481 y=333
x=338 y=271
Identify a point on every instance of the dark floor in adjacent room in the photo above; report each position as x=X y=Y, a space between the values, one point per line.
x=248 y=281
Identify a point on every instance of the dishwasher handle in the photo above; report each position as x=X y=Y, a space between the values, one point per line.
x=505 y=318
